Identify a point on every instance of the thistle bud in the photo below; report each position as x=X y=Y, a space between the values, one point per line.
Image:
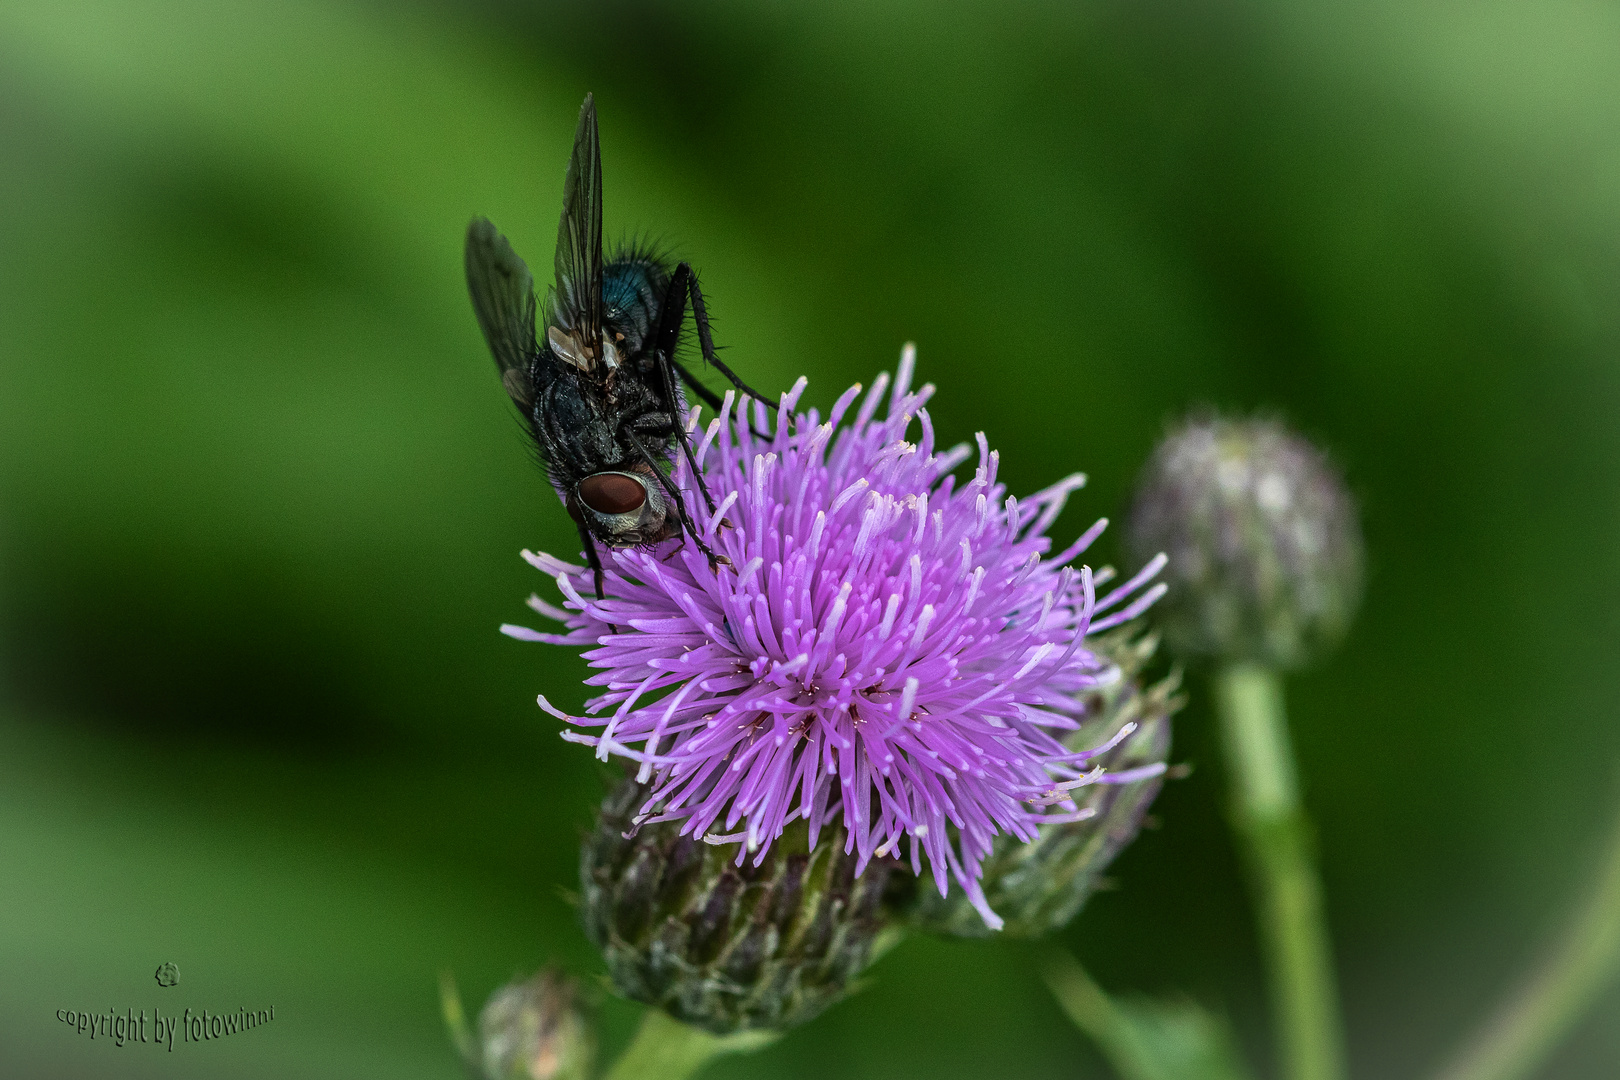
x=532 y=1030
x=1040 y=885
x=1264 y=544
x=722 y=945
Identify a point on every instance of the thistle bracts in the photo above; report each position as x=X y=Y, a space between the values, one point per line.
x=1038 y=887
x=721 y=945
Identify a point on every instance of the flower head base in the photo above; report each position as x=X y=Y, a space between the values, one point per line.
x=725 y=947
x=889 y=649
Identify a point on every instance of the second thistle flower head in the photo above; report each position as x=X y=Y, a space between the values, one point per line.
x=1264 y=543
x=889 y=649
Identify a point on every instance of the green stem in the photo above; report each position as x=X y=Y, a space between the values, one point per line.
x=1267 y=815
x=666 y=1049
x=1541 y=1012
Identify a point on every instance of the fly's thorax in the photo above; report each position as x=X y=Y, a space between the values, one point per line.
x=633 y=289
x=632 y=299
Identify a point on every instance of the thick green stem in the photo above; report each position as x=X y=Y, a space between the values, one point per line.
x=1533 y=1019
x=666 y=1049
x=1267 y=815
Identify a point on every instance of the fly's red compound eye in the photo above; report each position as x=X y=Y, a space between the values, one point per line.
x=612 y=493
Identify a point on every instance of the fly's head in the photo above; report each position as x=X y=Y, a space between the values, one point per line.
x=623 y=507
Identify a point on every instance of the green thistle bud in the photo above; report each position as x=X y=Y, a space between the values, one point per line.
x=532 y=1030
x=720 y=946
x=1039 y=886
x=1264 y=544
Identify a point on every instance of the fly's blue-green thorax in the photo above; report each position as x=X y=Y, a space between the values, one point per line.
x=633 y=287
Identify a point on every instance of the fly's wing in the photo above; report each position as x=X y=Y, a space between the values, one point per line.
x=578 y=300
x=503 y=296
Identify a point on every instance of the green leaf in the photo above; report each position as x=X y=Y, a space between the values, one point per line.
x=455 y=1021
x=1143 y=1038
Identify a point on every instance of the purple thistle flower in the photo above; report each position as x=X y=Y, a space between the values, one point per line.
x=887 y=647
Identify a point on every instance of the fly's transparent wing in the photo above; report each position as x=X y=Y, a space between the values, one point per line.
x=578 y=299
x=503 y=296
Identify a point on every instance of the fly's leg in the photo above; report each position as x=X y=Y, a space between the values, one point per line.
x=700 y=316
x=715 y=561
x=594 y=561
x=663 y=351
x=681 y=434
x=710 y=398
x=683 y=283
x=591 y=558
x=705 y=395
x=672 y=314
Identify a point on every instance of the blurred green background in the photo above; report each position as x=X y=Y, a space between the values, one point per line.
x=261 y=497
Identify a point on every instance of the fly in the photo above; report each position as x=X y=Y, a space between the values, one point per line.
x=600 y=390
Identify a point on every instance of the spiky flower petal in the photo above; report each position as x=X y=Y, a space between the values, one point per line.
x=889 y=650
